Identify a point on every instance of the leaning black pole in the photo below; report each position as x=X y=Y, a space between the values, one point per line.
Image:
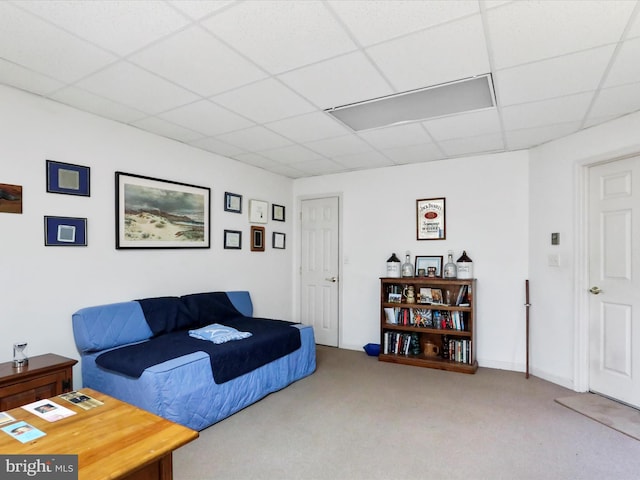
x=527 y=306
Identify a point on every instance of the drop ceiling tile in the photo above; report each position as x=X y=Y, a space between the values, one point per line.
x=414 y=154
x=555 y=77
x=118 y=26
x=130 y=85
x=626 y=67
x=32 y=43
x=359 y=161
x=396 y=136
x=166 y=129
x=442 y=54
x=522 y=32
x=25 y=79
x=89 y=102
x=374 y=22
x=187 y=58
x=617 y=101
x=347 y=79
x=289 y=171
x=634 y=30
x=206 y=118
x=308 y=127
x=593 y=121
x=559 y=110
x=281 y=35
x=264 y=101
x=256 y=160
x=254 y=139
x=319 y=167
x=473 y=145
x=291 y=154
x=470 y=124
x=198 y=9
x=216 y=146
x=335 y=146
x=530 y=137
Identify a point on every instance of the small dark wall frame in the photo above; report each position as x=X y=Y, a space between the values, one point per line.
x=277 y=212
x=233 y=239
x=257 y=239
x=65 y=232
x=68 y=179
x=279 y=240
x=232 y=202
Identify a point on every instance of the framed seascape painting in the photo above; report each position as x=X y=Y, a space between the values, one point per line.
x=155 y=213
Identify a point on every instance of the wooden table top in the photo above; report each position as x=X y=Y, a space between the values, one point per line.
x=111 y=440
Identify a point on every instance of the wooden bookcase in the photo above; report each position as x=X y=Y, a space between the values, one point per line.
x=446 y=330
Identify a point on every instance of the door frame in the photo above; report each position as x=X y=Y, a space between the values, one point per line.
x=298 y=252
x=581 y=264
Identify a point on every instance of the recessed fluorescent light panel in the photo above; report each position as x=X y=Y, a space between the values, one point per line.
x=466 y=95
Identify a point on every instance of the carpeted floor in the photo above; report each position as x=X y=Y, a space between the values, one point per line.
x=613 y=414
x=359 y=419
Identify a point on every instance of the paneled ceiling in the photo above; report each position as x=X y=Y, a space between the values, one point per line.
x=251 y=80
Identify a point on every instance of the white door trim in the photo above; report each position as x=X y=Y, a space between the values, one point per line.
x=581 y=266
x=296 y=263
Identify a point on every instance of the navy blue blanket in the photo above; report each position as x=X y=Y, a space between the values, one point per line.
x=271 y=339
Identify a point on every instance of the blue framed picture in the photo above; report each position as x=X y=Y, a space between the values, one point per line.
x=65 y=231
x=68 y=179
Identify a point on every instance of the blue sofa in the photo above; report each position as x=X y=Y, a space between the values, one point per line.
x=180 y=389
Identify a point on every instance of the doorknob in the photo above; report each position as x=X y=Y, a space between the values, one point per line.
x=595 y=290
x=332 y=279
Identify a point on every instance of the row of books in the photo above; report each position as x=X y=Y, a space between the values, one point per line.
x=458 y=350
x=397 y=343
x=424 y=317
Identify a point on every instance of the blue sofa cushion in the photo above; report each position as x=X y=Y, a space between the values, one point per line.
x=209 y=308
x=166 y=314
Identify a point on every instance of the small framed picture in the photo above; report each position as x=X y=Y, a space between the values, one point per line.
x=233 y=239
x=257 y=239
x=279 y=240
x=232 y=202
x=395 y=298
x=10 y=198
x=429 y=266
x=277 y=212
x=68 y=179
x=431 y=219
x=258 y=212
x=65 y=231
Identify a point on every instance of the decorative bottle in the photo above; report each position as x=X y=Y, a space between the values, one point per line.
x=465 y=266
x=407 y=266
x=393 y=266
x=450 y=269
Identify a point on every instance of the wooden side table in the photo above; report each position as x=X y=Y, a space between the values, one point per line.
x=45 y=376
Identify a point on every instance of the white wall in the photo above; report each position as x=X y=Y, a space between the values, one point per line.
x=40 y=287
x=487 y=215
x=557 y=346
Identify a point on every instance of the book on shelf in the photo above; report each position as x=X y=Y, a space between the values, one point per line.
x=461 y=295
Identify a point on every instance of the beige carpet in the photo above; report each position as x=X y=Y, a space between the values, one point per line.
x=613 y=414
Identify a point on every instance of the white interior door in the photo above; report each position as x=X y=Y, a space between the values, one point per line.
x=614 y=268
x=319 y=268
